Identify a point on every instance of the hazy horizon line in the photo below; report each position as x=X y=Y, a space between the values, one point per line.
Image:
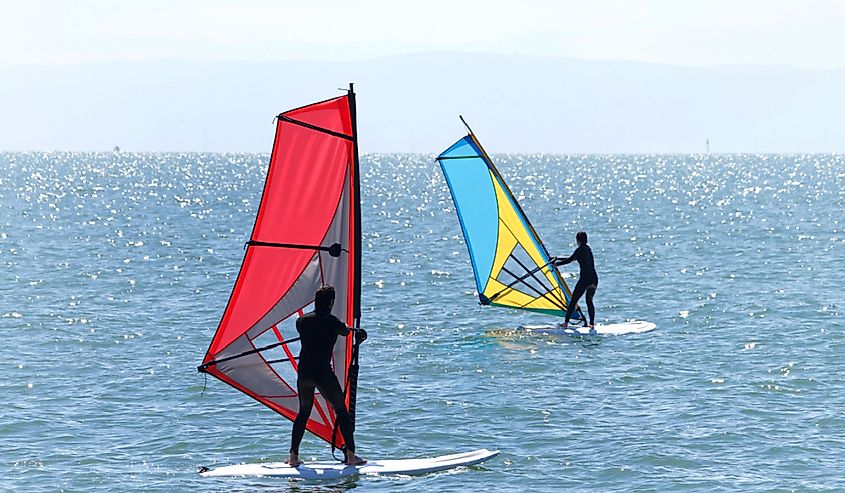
x=419 y=53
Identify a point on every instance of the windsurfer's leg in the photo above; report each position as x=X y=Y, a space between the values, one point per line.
x=305 y=388
x=591 y=309
x=330 y=390
x=573 y=301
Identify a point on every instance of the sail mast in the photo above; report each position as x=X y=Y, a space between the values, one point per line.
x=352 y=378
x=356 y=187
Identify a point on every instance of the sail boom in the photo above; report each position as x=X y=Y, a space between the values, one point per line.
x=203 y=367
x=334 y=249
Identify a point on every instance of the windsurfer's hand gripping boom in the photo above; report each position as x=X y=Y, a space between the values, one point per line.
x=360 y=335
x=558 y=261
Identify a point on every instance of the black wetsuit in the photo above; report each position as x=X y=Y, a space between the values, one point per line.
x=318 y=332
x=588 y=281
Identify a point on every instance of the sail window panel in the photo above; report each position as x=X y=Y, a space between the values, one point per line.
x=308 y=308
x=517 y=266
x=283 y=368
x=277 y=357
x=253 y=373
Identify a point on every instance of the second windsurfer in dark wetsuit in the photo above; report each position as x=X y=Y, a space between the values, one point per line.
x=588 y=281
x=318 y=331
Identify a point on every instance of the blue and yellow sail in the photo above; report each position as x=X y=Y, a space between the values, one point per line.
x=512 y=267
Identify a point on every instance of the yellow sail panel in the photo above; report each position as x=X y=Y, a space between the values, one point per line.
x=517 y=254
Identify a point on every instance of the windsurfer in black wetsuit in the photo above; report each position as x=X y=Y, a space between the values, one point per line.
x=588 y=281
x=318 y=331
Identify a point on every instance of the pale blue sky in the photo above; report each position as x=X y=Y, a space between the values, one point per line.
x=807 y=33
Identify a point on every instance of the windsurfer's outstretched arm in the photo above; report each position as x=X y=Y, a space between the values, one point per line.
x=562 y=260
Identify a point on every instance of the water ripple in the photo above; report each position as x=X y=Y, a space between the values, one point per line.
x=118 y=266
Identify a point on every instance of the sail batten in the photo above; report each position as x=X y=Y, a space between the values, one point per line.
x=315 y=127
x=512 y=267
x=306 y=234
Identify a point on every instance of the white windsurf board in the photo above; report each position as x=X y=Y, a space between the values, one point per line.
x=332 y=470
x=632 y=327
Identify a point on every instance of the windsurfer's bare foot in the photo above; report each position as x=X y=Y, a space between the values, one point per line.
x=564 y=325
x=293 y=460
x=354 y=460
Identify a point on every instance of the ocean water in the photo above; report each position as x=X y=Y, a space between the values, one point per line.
x=116 y=268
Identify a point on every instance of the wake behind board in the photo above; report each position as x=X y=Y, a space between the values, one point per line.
x=332 y=470
x=633 y=327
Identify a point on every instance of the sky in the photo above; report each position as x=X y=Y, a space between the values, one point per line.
x=749 y=75
x=805 y=34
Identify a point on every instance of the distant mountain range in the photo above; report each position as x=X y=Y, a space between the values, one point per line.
x=410 y=103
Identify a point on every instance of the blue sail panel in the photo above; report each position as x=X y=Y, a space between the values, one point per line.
x=472 y=189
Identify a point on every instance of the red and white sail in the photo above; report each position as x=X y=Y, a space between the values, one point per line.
x=306 y=235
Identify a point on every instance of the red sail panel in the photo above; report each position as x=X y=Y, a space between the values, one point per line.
x=324 y=115
x=308 y=202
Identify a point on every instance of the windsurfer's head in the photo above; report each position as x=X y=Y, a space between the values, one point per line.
x=324 y=299
x=581 y=238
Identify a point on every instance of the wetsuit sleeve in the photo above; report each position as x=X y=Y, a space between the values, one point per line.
x=342 y=329
x=299 y=325
x=564 y=261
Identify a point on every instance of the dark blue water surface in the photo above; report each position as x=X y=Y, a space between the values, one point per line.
x=117 y=267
